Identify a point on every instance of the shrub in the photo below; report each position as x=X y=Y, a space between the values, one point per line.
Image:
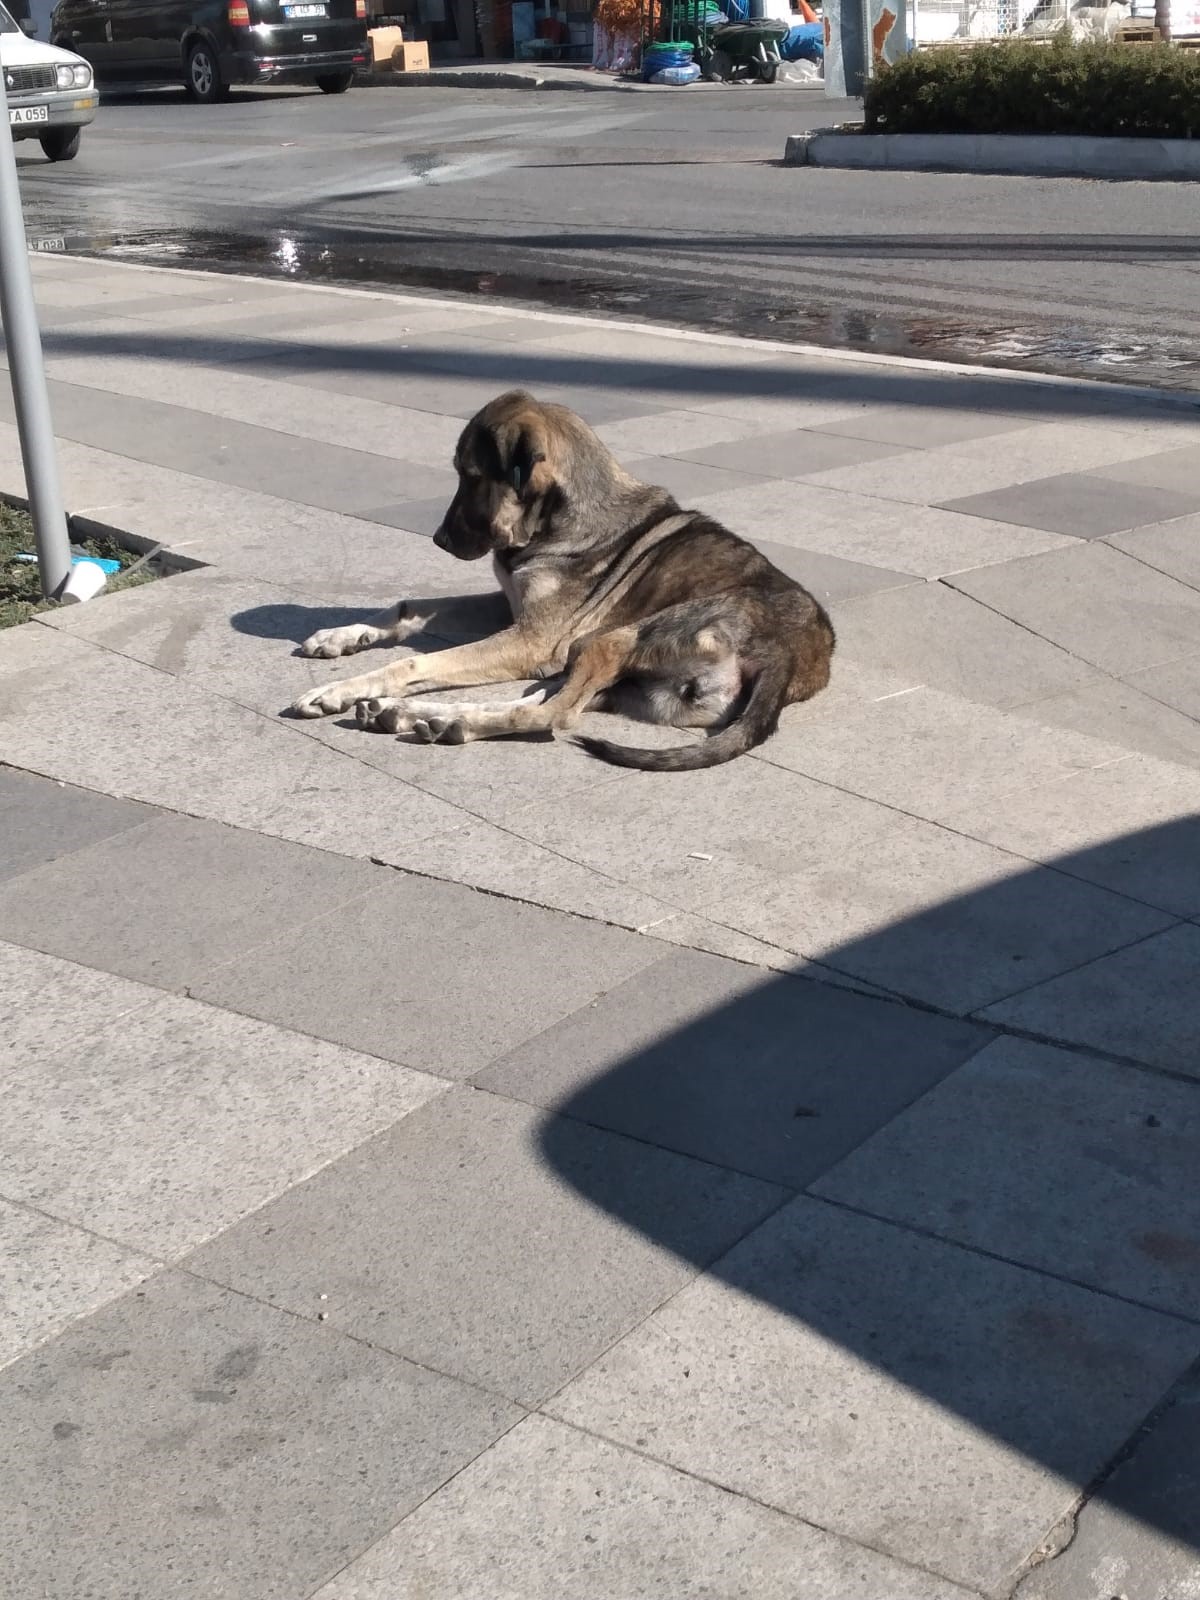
x=1096 y=87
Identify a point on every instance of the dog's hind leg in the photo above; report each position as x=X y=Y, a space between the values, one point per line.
x=452 y=617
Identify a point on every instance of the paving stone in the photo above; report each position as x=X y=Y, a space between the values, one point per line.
x=794 y=454
x=931 y=753
x=693 y=932
x=50 y=1274
x=939 y=1406
x=1119 y=713
x=673 y=433
x=773 y=1076
x=431 y=974
x=550 y=1514
x=924 y=478
x=830 y=578
x=1082 y=504
x=109 y=723
x=413 y=516
x=882 y=533
x=189 y=1432
x=934 y=916
x=921 y=427
x=1138 y=1536
x=1133 y=827
x=42 y=821
x=688 y=479
x=457 y=1240
x=485 y=857
x=1096 y=602
x=46 y=1004
x=1137 y=1002
x=1171 y=547
x=1177 y=684
x=230 y=892
x=1049 y=1159
x=171 y=1123
x=1177 y=471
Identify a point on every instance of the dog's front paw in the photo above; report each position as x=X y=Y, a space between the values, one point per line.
x=385 y=716
x=440 y=730
x=331 y=642
x=326 y=701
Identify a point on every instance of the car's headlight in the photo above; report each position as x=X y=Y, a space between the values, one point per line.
x=66 y=77
x=83 y=76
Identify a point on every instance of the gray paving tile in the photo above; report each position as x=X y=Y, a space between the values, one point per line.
x=1133 y=827
x=430 y=974
x=595 y=406
x=1138 y=1002
x=1176 y=684
x=190 y=896
x=942 y=1407
x=1175 y=470
x=673 y=432
x=1052 y=1160
x=1118 y=713
x=459 y=1240
x=1140 y=1531
x=193 y=1437
x=249 y=457
x=931 y=634
x=1096 y=602
x=931 y=754
x=921 y=427
x=773 y=1076
x=46 y=1004
x=41 y=820
x=831 y=578
x=686 y=478
x=792 y=454
x=176 y=1120
x=1082 y=504
x=550 y=1514
x=1171 y=547
x=937 y=917
x=50 y=1274
x=414 y=516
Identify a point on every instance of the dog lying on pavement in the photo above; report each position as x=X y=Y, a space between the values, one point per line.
x=620 y=600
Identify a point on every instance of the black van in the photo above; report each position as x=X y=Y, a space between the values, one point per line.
x=213 y=44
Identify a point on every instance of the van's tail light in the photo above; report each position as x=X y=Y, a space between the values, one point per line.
x=360 y=10
x=239 y=13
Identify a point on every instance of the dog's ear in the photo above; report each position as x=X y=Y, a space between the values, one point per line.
x=525 y=452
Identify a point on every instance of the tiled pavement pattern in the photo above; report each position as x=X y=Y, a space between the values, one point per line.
x=780 y=1185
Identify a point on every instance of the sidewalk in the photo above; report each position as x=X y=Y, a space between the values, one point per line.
x=481 y=1174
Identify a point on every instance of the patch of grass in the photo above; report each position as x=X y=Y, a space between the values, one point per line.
x=1094 y=87
x=20 y=586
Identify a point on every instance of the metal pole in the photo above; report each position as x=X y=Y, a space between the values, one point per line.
x=28 y=373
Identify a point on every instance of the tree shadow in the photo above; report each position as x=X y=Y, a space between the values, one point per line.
x=985 y=1218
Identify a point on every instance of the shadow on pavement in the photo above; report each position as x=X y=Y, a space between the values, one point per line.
x=920 y=1155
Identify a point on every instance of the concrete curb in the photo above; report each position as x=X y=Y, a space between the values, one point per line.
x=1025 y=155
x=530 y=78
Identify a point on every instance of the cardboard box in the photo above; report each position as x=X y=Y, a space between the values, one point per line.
x=383 y=44
x=412 y=56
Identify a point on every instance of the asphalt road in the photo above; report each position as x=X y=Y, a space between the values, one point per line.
x=670 y=206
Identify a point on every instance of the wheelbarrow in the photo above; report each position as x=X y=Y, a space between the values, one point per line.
x=746 y=51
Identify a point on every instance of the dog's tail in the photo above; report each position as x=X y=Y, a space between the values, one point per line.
x=758 y=721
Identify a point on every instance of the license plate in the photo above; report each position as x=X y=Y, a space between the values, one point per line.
x=18 y=115
x=304 y=11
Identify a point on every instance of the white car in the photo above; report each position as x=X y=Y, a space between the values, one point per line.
x=51 y=93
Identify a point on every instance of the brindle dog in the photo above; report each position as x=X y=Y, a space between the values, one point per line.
x=620 y=600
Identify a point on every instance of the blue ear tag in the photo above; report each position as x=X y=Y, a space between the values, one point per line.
x=516 y=479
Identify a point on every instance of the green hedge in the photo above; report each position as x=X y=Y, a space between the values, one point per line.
x=1147 y=91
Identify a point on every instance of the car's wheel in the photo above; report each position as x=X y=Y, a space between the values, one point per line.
x=61 y=144
x=334 y=82
x=203 y=75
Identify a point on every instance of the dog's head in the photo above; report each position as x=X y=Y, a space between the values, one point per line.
x=508 y=462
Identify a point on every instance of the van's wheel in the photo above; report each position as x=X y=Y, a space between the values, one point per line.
x=61 y=144
x=203 y=75
x=334 y=82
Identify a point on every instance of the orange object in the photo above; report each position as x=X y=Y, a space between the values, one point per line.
x=807 y=12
